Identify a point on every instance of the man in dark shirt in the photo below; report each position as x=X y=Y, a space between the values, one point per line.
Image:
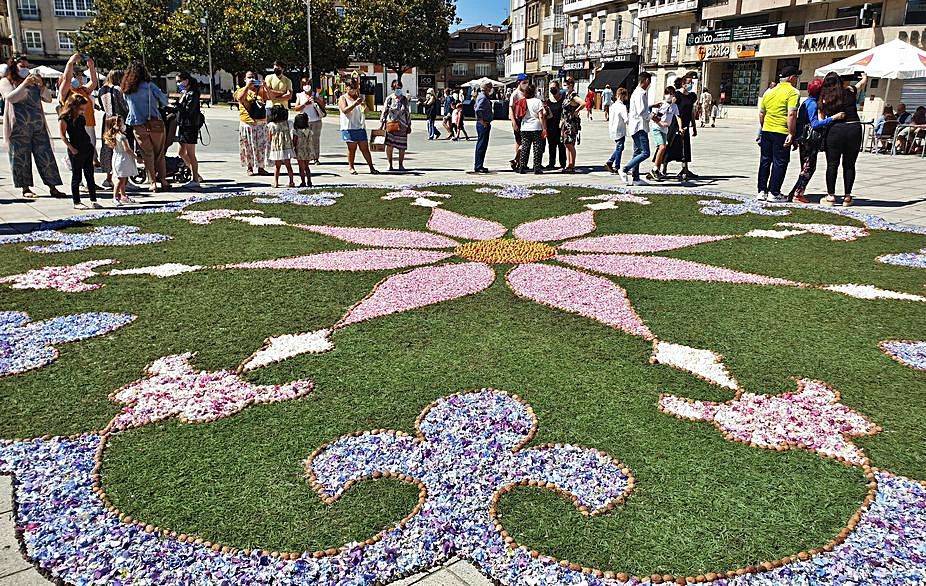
x=680 y=149
x=483 y=110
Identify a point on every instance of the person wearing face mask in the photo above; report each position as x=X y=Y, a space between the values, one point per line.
x=665 y=116
x=189 y=121
x=25 y=130
x=352 y=106
x=306 y=103
x=555 y=146
x=70 y=83
x=279 y=87
x=517 y=102
x=484 y=116
x=396 y=119
x=679 y=148
x=253 y=138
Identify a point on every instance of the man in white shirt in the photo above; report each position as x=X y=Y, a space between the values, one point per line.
x=638 y=128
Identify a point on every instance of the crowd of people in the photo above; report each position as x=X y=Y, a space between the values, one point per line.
x=138 y=123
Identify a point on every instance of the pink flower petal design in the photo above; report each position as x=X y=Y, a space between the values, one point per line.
x=383 y=237
x=351 y=260
x=812 y=419
x=419 y=288
x=578 y=292
x=661 y=268
x=466 y=227
x=558 y=228
x=69 y=279
x=636 y=243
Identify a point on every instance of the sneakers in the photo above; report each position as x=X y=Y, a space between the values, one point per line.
x=117 y=203
x=127 y=199
x=801 y=199
x=96 y=206
x=624 y=176
x=80 y=206
x=761 y=196
x=654 y=175
x=773 y=198
x=641 y=182
x=107 y=184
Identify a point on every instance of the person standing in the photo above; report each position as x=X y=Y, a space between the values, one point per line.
x=589 y=102
x=25 y=130
x=396 y=119
x=70 y=83
x=279 y=87
x=809 y=144
x=555 y=144
x=484 y=116
x=71 y=120
x=667 y=127
x=253 y=138
x=706 y=107
x=114 y=105
x=571 y=124
x=778 y=119
x=638 y=127
x=352 y=106
x=189 y=121
x=844 y=138
x=144 y=98
x=307 y=103
x=515 y=113
x=448 y=105
x=533 y=129
x=607 y=98
x=432 y=108
x=680 y=147
x=617 y=129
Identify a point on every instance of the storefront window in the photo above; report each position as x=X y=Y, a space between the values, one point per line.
x=740 y=82
x=916 y=12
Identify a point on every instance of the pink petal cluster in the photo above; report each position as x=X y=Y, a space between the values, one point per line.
x=69 y=279
x=811 y=419
x=578 y=292
x=558 y=228
x=636 y=243
x=466 y=227
x=661 y=268
x=383 y=237
x=351 y=260
x=419 y=288
x=204 y=217
x=834 y=231
x=619 y=197
x=174 y=389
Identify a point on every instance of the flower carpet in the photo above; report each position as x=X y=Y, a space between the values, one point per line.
x=569 y=385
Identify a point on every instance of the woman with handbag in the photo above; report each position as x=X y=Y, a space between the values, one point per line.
x=144 y=99
x=314 y=112
x=253 y=138
x=397 y=121
x=353 y=106
x=811 y=133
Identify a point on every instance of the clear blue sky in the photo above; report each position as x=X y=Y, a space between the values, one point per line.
x=474 y=12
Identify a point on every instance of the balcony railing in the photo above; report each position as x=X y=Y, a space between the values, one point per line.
x=551 y=60
x=554 y=23
x=659 y=7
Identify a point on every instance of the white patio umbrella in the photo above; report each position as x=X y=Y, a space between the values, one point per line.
x=482 y=81
x=46 y=72
x=893 y=60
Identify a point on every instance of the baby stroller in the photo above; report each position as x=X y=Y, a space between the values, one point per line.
x=177 y=169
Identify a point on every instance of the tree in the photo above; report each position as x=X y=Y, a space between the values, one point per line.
x=399 y=35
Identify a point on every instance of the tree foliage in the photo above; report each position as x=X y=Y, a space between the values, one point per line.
x=399 y=35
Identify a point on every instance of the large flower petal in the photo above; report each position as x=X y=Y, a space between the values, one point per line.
x=636 y=243
x=467 y=227
x=578 y=292
x=419 y=288
x=558 y=228
x=661 y=268
x=382 y=237
x=351 y=260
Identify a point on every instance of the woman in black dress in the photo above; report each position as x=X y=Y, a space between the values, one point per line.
x=554 y=104
x=188 y=123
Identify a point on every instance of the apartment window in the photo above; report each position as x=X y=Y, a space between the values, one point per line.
x=460 y=69
x=617 y=28
x=588 y=33
x=73 y=7
x=483 y=69
x=28 y=9
x=916 y=12
x=33 y=41
x=673 y=44
x=575 y=33
x=601 y=30
x=654 y=47
x=66 y=40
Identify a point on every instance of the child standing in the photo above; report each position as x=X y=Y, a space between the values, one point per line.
x=281 y=143
x=667 y=114
x=73 y=128
x=305 y=150
x=124 y=160
x=458 y=121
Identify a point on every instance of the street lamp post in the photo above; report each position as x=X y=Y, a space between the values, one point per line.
x=308 y=31
x=205 y=22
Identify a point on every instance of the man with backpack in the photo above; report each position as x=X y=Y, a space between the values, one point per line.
x=517 y=108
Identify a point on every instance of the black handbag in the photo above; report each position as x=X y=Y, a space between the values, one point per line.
x=257 y=110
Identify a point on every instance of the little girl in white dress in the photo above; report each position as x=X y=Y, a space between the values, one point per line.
x=124 y=160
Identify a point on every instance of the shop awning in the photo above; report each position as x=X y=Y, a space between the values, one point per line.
x=612 y=77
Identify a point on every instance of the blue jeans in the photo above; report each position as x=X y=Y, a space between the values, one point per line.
x=482 y=144
x=432 y=129
x=618 y=150
x=773 y=162
x=640 y=153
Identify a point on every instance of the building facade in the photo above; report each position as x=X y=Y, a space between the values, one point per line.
x=515 y=59
x=601 y=43
x=667 y=24
x=472 y=54
x=43 y=29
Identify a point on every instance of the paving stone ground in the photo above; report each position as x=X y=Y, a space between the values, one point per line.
x=725 y=157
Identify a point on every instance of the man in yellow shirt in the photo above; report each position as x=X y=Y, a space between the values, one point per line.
x=778 y=118
x=279 y=87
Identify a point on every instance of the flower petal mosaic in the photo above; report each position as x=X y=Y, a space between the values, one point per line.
x=347 y=389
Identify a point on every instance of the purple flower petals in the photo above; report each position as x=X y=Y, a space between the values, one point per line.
x=636 y=243
x=383 y=237
x=351 y=260
x=910 y=353
x=99 y=236
x=69 y=279
x=559 y=228
x=298 y=197
x=465 y=227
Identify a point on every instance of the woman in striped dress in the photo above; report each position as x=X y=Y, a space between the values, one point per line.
x=397 y=120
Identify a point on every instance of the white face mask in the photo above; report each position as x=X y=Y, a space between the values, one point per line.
x=24 y=72
x=307 y=89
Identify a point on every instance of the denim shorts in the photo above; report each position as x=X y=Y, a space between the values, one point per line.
x=356 y=135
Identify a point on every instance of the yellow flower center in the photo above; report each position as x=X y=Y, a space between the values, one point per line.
x=506 y=251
